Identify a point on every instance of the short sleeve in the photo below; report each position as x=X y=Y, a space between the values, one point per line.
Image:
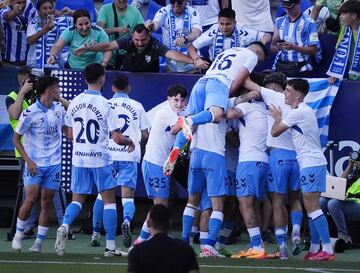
x=67 y=119
x=102 y=17
x=144 y=122
x=24 y=122
x=313 y=34
x=31 y=30
x=206 y=38
x=123 y=42
x=103 y=37
x=67 y=35
x=195 y=19
x=160 y=16
x=272 y=97
x=243 y=107
x=163 y=49
x=250 y=62
x=293 y=118
x=112 y=120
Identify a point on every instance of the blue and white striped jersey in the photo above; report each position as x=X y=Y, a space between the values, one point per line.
x=132 y=117
x=15 y=40
x=302 y=32
x=91 y=118
x=41 y=128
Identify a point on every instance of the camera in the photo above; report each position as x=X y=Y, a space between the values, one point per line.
x=33 y=75
x=355 y=155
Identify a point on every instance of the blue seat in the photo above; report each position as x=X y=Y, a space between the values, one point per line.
x=75 y=5
x=152 y=10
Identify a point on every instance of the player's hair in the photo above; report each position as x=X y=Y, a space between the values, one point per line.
x=227 y=13
x=121 y=82
x=351 y=6
x=257 y=77
x=80 y=13
x=44 y=82
x=261 y=45
x=159 y=217
x=299 y=85
x=276 y=77
x=93 y=72
x=176 y=89
x=140 y=28
x=39 y=3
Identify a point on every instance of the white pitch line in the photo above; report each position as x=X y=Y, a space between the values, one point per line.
x=310 y=269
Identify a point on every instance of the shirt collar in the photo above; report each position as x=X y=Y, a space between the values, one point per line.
x=121 y=95
x=43 y=107
x=92 y=92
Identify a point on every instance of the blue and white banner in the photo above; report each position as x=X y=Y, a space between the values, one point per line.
x=320 y=98
x=6 y=131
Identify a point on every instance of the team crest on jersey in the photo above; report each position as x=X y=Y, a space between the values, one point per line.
x=147 y=58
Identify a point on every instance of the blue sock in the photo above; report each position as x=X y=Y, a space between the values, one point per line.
x=321 y=225
x=296 y=217
x=144 y=233
x=202 y=118
x=281 y=236
x=110 y=221
x=255 y=237
x=203 y=237
x=180 y=140
x=225 y=232
x=314 y=235
x=188 y=219
x=98 y=210
x=72 y=211
x=215 y=223
x=128 y=209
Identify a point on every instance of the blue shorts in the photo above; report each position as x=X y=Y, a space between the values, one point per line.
x=125 y=173
x=284 y=172
x=313 y=179
x=207 y=169
x=205 y=202
x=157 y=185
x=47 y=177
x=207 y=92
x=251 y=177
x=230 y=182
x=83 y=179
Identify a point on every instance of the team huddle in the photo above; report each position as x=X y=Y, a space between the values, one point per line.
x=279 y=155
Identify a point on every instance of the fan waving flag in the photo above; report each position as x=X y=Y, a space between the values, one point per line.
x=320 y=98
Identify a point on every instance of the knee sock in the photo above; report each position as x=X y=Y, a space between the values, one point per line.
x=188 y=219
x=144 y=233
x=72 y=211
x=215 y=223
x=194 y=231
x=41 y=234
x=281 y=236
x=225 y=232
x=202 y=118
x=98 y=211
x=203 y=238
x=20 y=227
x=255 y=238
x=110 y=223
x=296 y=220
x=322 y=228
x=314 y=236
x=128 y=209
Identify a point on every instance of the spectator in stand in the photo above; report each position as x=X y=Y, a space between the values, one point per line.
x=43 y=31
x=347 y=65
x=253 y=14
x=14 y=20
x=180 y=25
x=118 y=19
x=342 y=211
x=332 y=23
x=82 y=32
x=295 y=39
x=143 y=51
x=224 y=35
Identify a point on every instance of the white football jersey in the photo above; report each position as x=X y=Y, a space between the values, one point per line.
x=305 y=136
x=284 y=140
x=91 y=118
x=253 y=131
x=161 y=140
x=41 y=128
x=226 y=65
x=132 y=118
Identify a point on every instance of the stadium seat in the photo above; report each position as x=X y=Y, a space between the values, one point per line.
x=152 y=10
x=75 y=5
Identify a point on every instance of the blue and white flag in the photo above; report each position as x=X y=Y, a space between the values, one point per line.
x=320 y=98
x=6 y=131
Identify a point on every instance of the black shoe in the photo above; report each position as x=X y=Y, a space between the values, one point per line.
x=339 y=246
x=28 y=233
x=266 y=236
x=126 y=235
